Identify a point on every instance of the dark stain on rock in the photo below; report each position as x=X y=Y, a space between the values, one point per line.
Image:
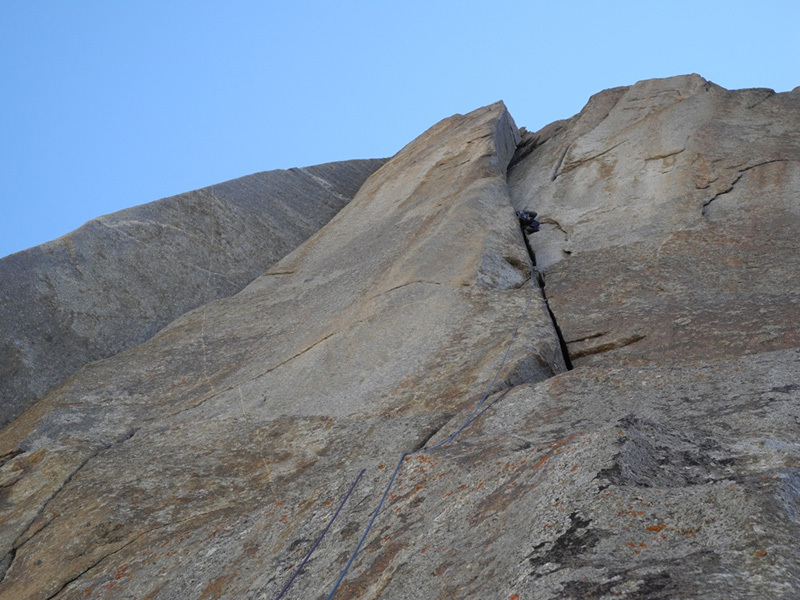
x=570 y=547
x=786 y=389
x=653 y=455
x=655 y=586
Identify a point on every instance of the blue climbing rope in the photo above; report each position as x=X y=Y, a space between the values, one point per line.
x=321 y=535
x=476 y=412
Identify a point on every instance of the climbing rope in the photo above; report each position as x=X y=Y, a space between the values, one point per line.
x=477 y=411
x=321 y=535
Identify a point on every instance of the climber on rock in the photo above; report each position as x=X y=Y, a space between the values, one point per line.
x=527 y=218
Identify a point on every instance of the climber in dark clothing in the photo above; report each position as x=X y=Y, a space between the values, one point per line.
x=527 y=218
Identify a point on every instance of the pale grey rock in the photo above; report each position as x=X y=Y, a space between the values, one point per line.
x=360 y=344
x=205 y=462
x=120 y=278
x=669 y=215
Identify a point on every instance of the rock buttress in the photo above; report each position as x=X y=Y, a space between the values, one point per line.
x=666 y=463
x=203 y=462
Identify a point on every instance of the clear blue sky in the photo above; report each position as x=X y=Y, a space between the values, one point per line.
x=109 y=104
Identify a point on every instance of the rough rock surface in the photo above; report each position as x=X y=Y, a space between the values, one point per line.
x=355 y=347
x=120 y=278
x=205 y=462
x=675 y=202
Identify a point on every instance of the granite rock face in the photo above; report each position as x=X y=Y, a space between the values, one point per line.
x=357 y=346
x=206 y=461
x=120 y=278
x=670 y=221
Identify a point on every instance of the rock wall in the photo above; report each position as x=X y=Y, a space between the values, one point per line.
x=410 y=351
x=669 y=222
x=120 y=278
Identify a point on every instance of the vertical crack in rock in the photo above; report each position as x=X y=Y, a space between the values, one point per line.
x=559 y=162
x=432 y=432
x=87 y=569
x=707 y=203
x=561 y=341
x=540 y=281
x=529 y=142
x=102 y=558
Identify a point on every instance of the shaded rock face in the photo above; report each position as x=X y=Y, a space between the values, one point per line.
x=206 y=462
x=120 y=278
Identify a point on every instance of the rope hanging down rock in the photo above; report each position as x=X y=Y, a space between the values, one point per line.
x=322 y=535
x=528 y=225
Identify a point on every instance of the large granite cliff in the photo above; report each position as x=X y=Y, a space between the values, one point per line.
x=621 y=420
x=120 y=278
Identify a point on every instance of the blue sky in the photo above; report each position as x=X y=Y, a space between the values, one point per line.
x=109 y=104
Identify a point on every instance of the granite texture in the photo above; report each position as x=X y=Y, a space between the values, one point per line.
x=120 y=278
x=205 y=462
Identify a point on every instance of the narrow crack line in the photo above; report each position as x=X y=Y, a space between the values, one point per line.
x=23 y=538
x=559 y=333
x=612 y=345
x=118 y=230
x=667 y=155
x=324 y=184
x=707 y=203
x=291 y=358
x=89 y=568
x=560 y=161
x=318 y=342
x=125 y=545
x=503 y=392
x=280 y=272
x=552 y=221
x=540 y=281
x=6 y=563
x=589 y=337
x=402 y=285
x=570 y=166
x=118 y=224
x=767 y=162
x=311 y=347
x=267 y=372
x=434 y=432
x=704 y=208
x=764 y=99
x=9 y=456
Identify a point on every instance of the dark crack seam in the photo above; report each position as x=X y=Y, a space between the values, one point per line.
x=706 y=204
x=120 y=549
x=308 y=348
x=540 y=280
x=561 y=342
x=613 y=345
x=89 y=568
x=19 y=544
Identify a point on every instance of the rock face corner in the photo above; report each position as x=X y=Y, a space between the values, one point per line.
x=417 y=400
